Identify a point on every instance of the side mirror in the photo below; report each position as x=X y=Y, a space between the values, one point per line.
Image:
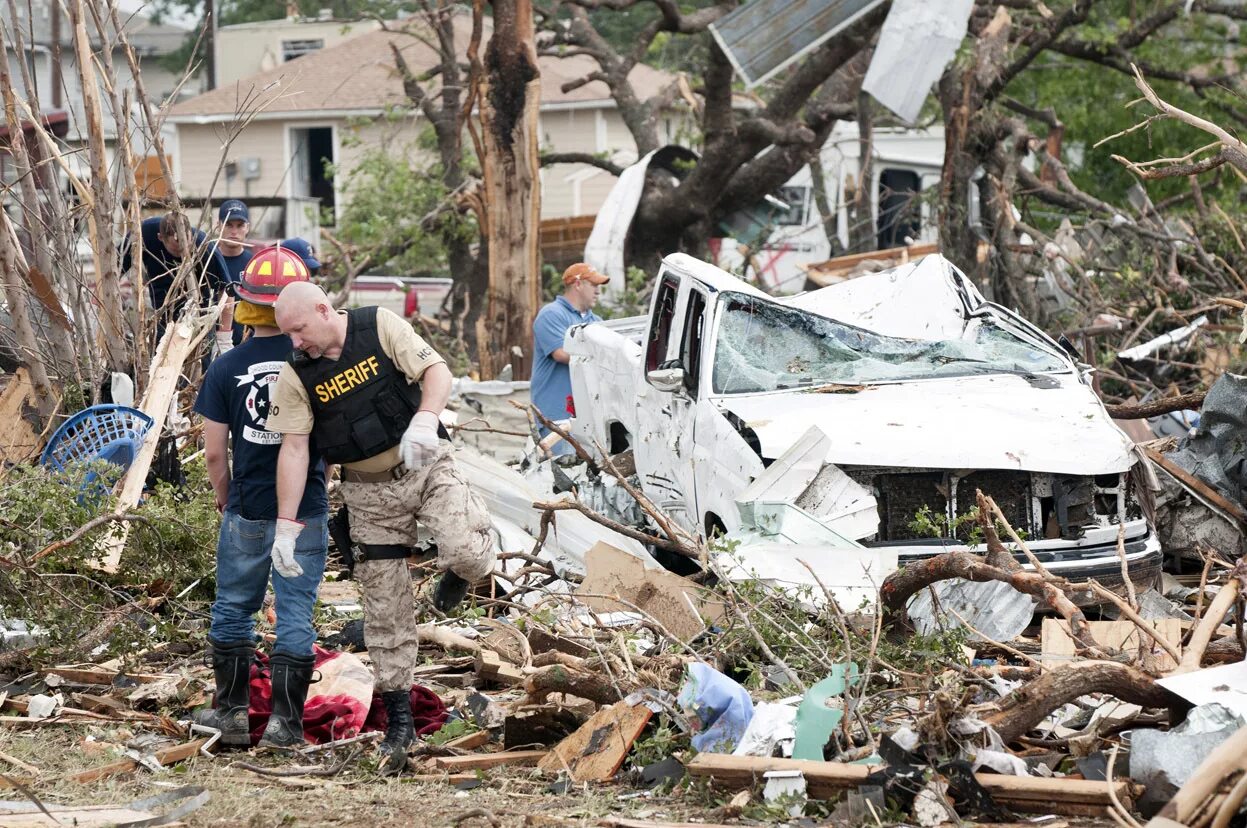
x=666 y=379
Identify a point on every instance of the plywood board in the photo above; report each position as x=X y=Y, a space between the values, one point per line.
x=677 y=603
x=595 y=752
x=1058 y=646
x=19 y=439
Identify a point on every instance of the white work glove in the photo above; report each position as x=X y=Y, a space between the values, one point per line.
x=224 y=342
x=419 y=446
x=282 y=552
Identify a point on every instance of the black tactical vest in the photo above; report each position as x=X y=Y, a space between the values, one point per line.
x=361 y=401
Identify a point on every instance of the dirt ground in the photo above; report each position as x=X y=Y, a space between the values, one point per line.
x=355 y=796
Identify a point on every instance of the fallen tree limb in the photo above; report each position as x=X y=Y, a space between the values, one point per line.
x=1128 y=613
x=577 y=506
x=446 y=639
x=82 y=530
x=1142 y=411
x=1028 y=705
x=1211 y=619
x=905 y=582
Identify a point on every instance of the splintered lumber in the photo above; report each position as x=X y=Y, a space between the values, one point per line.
x=482 y=761
x=19 y=436
x=175 y=346
x=492 y=667
x=165 y=756
x=595 y=752
x=826 y=780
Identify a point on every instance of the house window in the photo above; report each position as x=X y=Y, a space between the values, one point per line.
x=291 y=49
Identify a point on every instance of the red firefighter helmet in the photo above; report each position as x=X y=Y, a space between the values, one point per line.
x=270 y=270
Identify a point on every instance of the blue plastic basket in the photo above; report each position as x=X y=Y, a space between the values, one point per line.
x=102 y=432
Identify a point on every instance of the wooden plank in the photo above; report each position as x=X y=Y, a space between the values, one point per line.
x=826 y=780
x=491 y=667
x=79 y=675
x=481 y=761
x=1058 y=646
x=165 y=756
x=469 y=741
x=90 y=816
x=175 y=346
x=448 y=778
x=595 y=752
x=836 y=270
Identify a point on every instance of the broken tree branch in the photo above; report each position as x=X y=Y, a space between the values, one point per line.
x=1031 y=703
x=901 y=585
x=1143 y=411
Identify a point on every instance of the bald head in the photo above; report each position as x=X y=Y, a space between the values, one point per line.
x=304 y=312
x=301 y=295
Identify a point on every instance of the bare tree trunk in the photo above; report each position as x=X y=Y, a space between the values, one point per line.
x=19 y=310
x=509 y=94
x=862 y=234
x=112 y=330
x=32 y=213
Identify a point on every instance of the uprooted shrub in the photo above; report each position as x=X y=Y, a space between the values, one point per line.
x=78 y=610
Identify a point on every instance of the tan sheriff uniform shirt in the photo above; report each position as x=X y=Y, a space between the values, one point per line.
x=291 y=413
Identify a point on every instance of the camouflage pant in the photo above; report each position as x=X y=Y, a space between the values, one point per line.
x=437 y=497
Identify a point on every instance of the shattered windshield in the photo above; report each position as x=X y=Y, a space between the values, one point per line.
x=765 y=347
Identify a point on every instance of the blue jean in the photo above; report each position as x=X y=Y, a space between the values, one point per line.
x=242 y=572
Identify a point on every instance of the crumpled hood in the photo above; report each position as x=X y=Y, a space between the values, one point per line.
x=989 y=422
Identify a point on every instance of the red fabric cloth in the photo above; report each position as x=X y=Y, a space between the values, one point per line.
x=427 y=712
x=337 y=704
x=342 y=703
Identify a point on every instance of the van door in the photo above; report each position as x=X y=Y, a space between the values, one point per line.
x=666 y=415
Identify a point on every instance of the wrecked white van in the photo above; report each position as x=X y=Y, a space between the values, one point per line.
x=872 y=410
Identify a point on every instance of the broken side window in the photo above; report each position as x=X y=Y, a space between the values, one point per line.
x=762 y=346
x=660 y=324
x=690 y=347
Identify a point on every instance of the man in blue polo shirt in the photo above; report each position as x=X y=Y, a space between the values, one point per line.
x=551 y=379
x=234 y=402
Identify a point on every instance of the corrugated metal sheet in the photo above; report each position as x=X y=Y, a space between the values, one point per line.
x=764 y=36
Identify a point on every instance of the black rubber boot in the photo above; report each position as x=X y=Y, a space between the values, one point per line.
x=291 y=676
x=400 y=731
x=231 y=663
x=450 y=591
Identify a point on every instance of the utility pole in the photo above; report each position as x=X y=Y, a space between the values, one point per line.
x=210 y=41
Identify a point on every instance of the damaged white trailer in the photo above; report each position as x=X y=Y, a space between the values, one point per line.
x=848 y=428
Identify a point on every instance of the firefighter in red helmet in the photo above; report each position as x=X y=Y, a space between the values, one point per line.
x=234 y=402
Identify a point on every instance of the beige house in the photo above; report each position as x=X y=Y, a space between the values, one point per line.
x=267 y=136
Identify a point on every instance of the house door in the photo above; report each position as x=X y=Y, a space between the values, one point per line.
x=311 y=154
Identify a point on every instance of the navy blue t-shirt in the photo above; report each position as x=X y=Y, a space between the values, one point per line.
x=236 y=391
x=159 y=264
x=234 y=266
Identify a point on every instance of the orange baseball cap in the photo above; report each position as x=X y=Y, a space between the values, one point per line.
x=579 y=271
